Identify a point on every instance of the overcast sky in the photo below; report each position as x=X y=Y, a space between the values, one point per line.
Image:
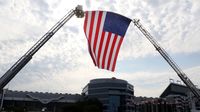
x=64 y=64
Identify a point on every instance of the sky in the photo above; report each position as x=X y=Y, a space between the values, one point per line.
x=63 y=64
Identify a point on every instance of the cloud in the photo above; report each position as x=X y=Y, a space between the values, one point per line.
x=63 y=64
x=40 y=8
x=88 y=3
x=173 y=25
x=2 y=3
x=19 y=34
x=150 y=84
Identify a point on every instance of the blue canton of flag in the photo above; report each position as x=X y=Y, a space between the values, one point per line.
x=116 y=23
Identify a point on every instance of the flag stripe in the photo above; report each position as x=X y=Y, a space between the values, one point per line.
x=89 y=14
x=90 y=36
x=118 y=47
x=111 y=52
x=114 y=53
x=103 y=49
x=96 y=14
x=91 y=27
x=106 y=49
x=100 y=38
x=100 y=49
x=89 y=48
x=86 y=20
x=97 y=33
x=87 y=29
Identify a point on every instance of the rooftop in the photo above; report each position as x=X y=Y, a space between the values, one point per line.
x=40 y=96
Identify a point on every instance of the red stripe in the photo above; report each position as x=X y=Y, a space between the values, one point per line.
x=100 y=48
x=85 y=28
x=86 y=19
x=90 y=35
x=91 y=26
x=97 y=30
x=106 y=48
x=111 y=51
x=118 y=47
x=89 y=48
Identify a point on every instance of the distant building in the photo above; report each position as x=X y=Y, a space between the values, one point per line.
x=115 y=94
x=175 y=98
x=182 y=96
x=36 y=101
x=175 y=89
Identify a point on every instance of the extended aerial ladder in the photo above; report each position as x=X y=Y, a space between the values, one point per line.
x=4 y=80
x=169 y=60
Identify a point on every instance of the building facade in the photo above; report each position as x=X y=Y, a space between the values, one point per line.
x=175 y=98
x=116 y=95
x=23 y=101
x=182 y=97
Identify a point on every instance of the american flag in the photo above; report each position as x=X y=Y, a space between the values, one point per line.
x=105 y=32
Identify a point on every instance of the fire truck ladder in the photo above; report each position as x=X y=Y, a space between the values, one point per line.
x=5 y=79
x=169 y=60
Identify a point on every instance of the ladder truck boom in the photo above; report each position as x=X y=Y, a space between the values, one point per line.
x=169 y=60
x=5 y=79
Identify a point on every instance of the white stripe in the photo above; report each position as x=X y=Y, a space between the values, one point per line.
x=103 y=48
x=93 y=35
x=108 y=51
x=114 y=52
x=100 y=33
x=88 y=23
